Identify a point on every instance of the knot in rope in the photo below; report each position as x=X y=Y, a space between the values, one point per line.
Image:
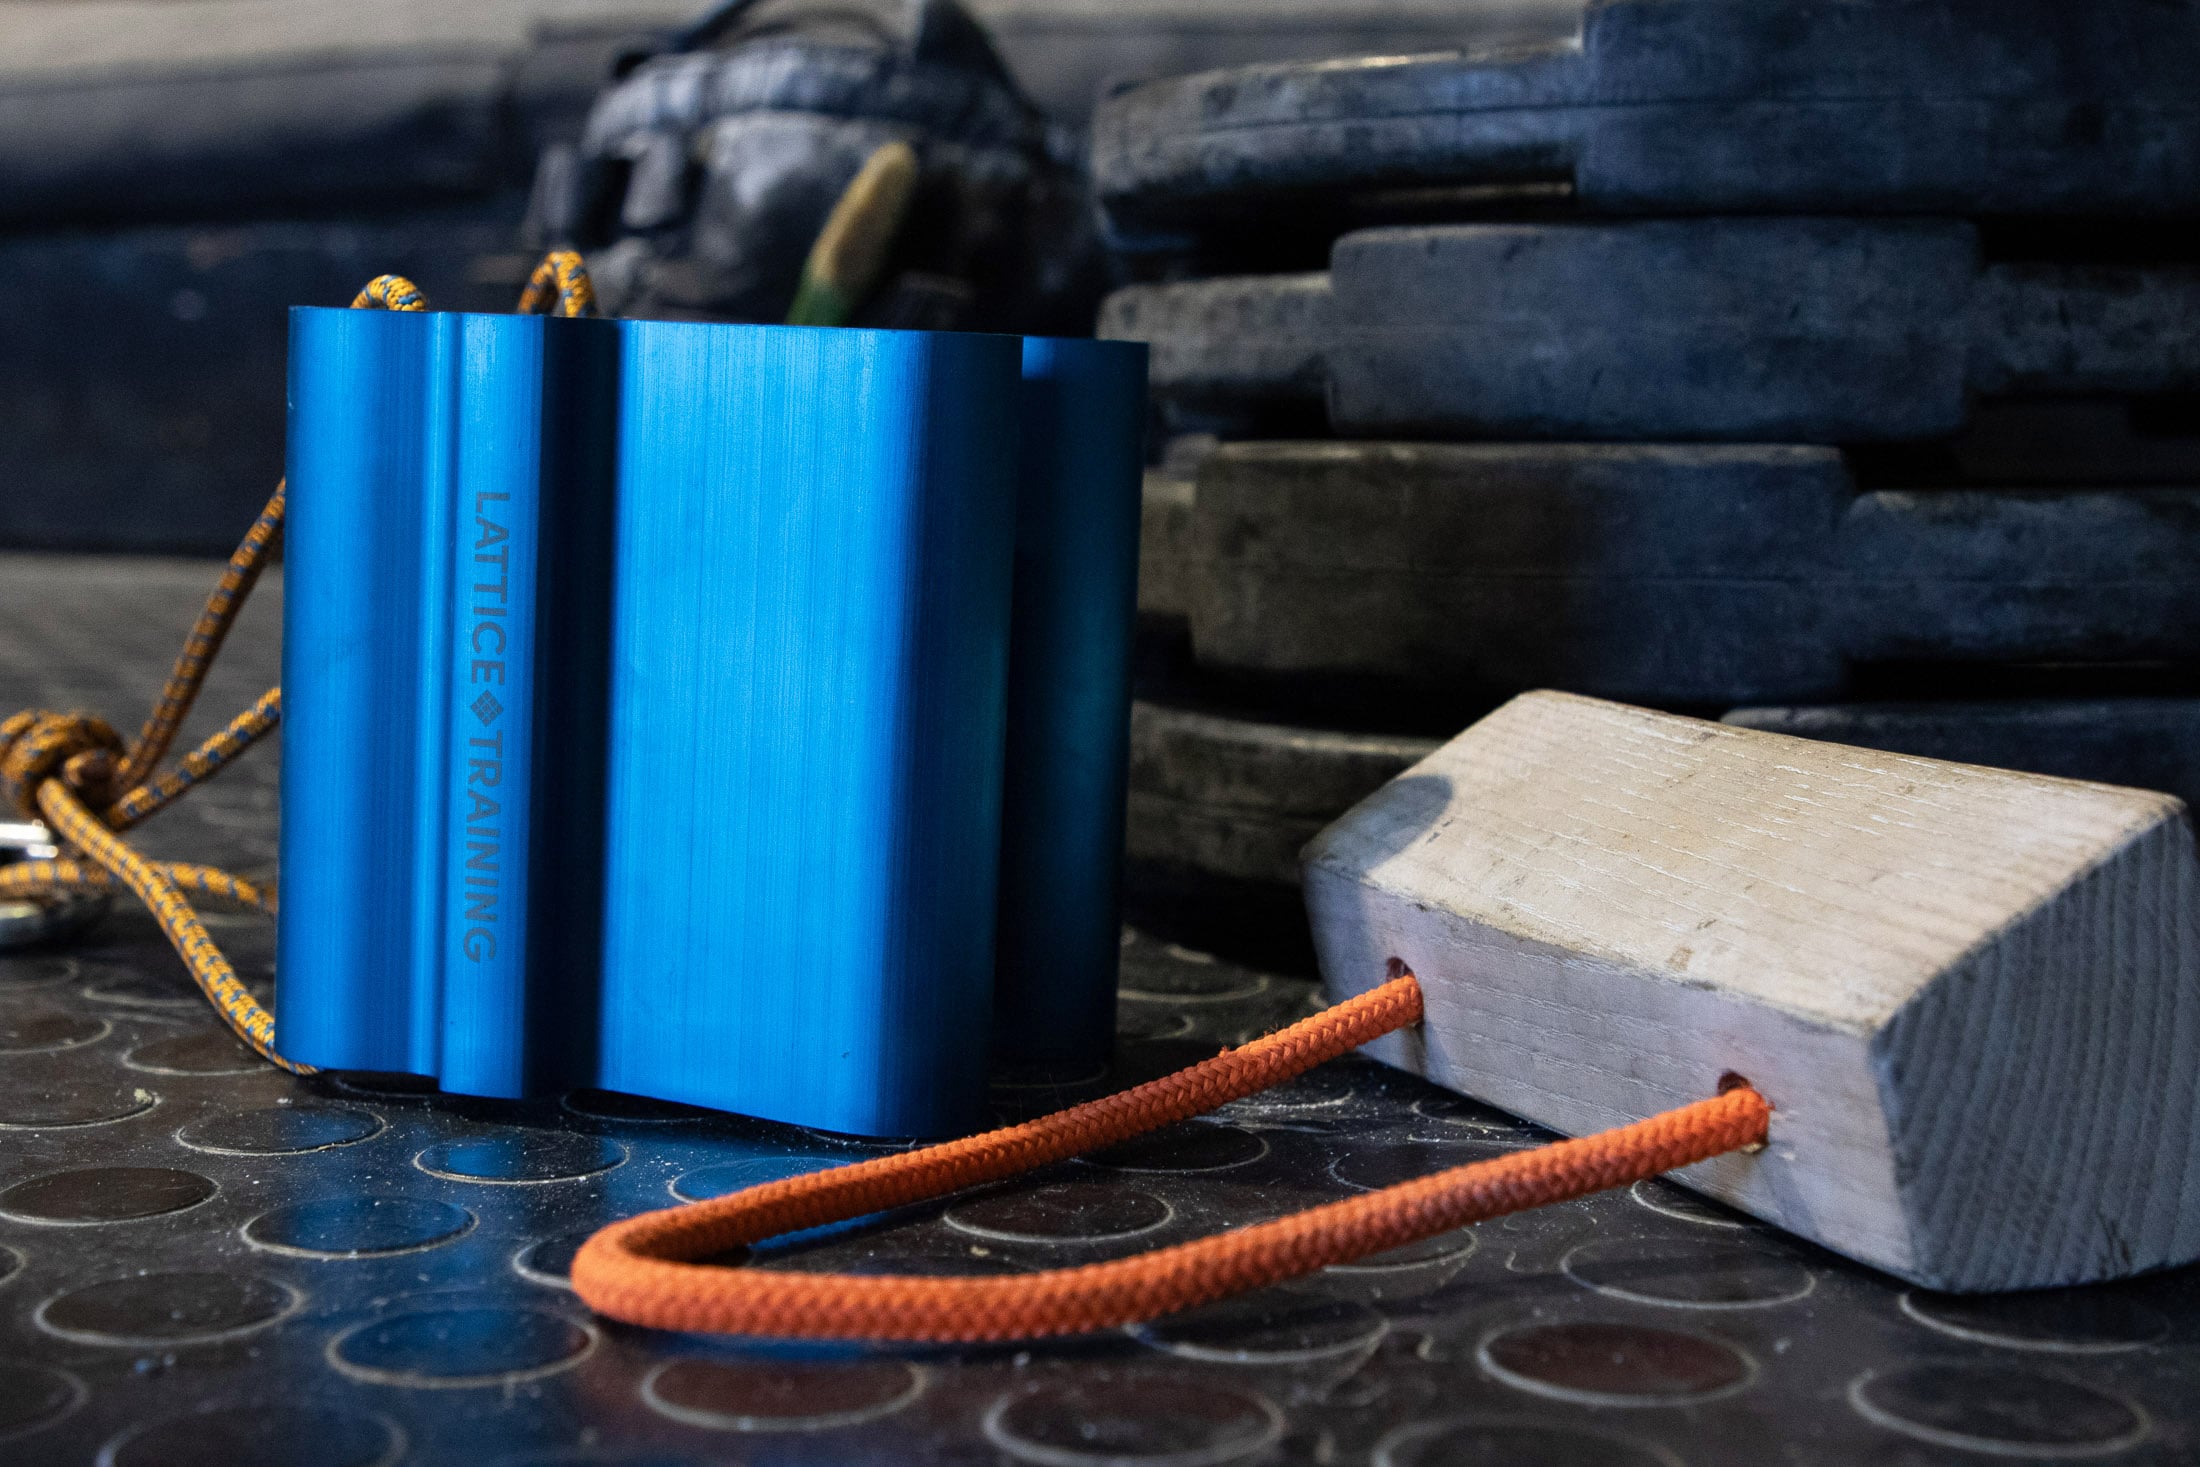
x=39 y=744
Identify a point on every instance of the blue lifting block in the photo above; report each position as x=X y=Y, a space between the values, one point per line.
x=728 y=714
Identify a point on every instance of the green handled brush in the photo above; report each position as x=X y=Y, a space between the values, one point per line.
x=851 y=249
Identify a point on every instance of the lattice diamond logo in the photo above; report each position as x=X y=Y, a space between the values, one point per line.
x=486 y=707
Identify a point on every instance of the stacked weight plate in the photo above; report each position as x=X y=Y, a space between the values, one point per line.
x=1827 y=366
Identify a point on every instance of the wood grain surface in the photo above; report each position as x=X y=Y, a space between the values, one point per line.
x=1973 y=996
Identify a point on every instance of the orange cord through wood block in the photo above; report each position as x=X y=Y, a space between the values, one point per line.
x=645 y=1270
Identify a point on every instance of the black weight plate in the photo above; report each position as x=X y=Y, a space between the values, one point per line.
x=1867 y=106
x=2149 y=743
x=1751 y=330
x=1237 y=798
x=1685 y=575
x=1240 y=343
x=1755 y=330
x=1678 y=575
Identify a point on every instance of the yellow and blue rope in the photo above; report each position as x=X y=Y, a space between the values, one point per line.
x=74 y=772
x=205 y=640
x=390 y=293
x=202 y=763
x=560 y=285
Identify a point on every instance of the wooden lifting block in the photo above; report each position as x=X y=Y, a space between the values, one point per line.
x=1972 y=996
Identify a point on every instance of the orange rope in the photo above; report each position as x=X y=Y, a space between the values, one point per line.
x=642 y=1270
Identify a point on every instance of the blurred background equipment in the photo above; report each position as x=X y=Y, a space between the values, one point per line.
x=705 y=172
x=1818 y=373
x=174 y=176
x=1829 y=367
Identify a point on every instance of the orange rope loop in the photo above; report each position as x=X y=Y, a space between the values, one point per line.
x=644 y=1270
x=87 y=783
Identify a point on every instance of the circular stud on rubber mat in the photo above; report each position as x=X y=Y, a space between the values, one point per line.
x=1999 y=1410
x=780 y=1395
x=105 y=1194
x=280 y=1130
x=1188 y=1146
x=1743 y=1274
x=461 y=1347
x=227 y=1434
x=1592 y=1362
x=1523 y=1444
x=166 y=1309
x=1157 y=1420
x=1063 y=1212
x=522 y=1158
x=34 y=1396
x=206 y=1052
x=1276 y=1327
x=358 y=1226
x=2102 y=1320
x=39 y=1029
